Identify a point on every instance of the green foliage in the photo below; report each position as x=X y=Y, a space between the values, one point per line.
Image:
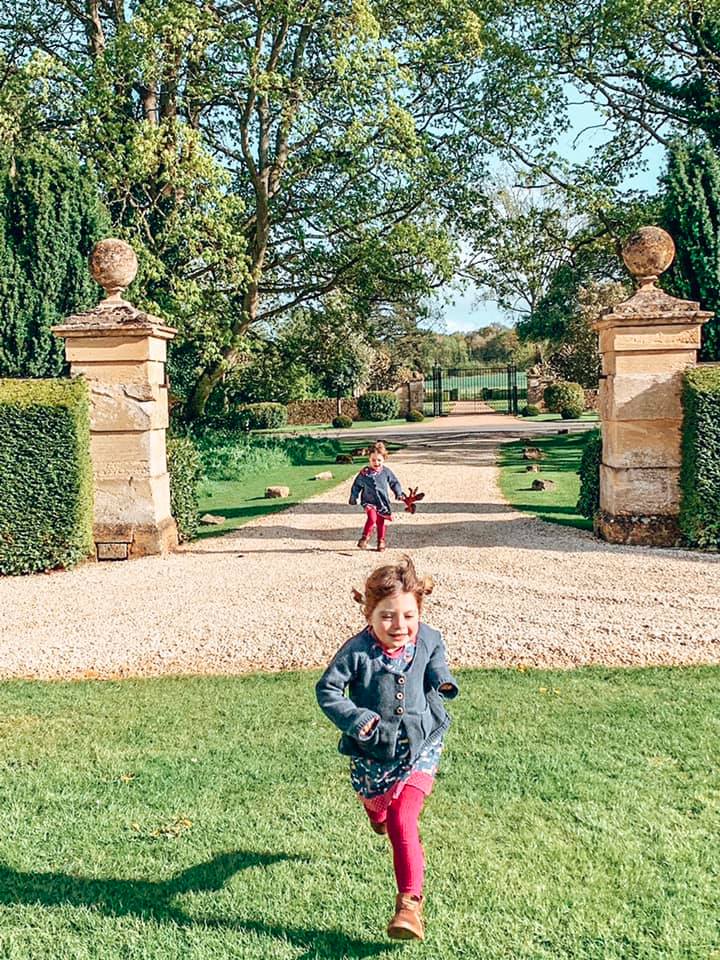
x=561 y=783
x=378 y=405
x=185 y=470
x=261 y=416
x=414 y=416
x=588 y=502
x=530 y=410
x=564 y=396
x=329 y=345
x=692 y=217
x=46 y=508
x=700 y=470
x=342 y=422
x=229 y=455
x=50 y=217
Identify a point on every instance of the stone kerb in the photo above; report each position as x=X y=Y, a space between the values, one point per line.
x=646 y=343
x=121 y=351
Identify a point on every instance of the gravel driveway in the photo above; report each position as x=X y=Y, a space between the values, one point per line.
x=511 y=590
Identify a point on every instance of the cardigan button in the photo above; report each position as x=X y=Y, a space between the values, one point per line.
x=399 y=696
x=401 y=680
x=399 y=711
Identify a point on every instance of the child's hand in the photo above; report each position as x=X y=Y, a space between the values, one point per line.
x=445 y=688
x=352 y=501
x=369 y=727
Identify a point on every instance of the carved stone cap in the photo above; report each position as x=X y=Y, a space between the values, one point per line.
x=107 y=316
x=114 y=266
x=647 y=254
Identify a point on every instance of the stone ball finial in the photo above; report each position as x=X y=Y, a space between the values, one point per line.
x=114 y=266
x=648 y=253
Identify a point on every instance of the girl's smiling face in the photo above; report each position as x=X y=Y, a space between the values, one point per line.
x=395 y=620
x=376 y=460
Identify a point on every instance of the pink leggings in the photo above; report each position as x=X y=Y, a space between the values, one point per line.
x=374 y=517
x=402 y=824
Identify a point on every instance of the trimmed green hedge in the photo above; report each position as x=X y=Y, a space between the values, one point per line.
x=565 y=398
x=378 y=405
x=261 y=416
x=46 y=507
x=185 y=470
x=588 y=503
x=700 y=471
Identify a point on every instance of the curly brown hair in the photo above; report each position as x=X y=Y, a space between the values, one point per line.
x=378 y=447
x=390 y=579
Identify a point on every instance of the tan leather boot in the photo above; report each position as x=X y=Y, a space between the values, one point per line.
x=407 y=923
x=363 y=543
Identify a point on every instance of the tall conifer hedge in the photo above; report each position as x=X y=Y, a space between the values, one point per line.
x=692 y=217
x=46 y=506
x=50 y=217
x=700 y=471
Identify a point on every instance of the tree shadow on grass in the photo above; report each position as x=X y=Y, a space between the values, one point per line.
x=154 y=901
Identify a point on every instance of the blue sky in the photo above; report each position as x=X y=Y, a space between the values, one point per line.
x=465 y=310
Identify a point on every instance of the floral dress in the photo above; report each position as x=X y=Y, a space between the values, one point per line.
x=378 y=782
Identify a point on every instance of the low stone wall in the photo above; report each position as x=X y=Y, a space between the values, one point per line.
x=320 y=411
x=536 y=390
x=411 y=396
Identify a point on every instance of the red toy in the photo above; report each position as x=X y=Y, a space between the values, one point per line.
x=411 y=499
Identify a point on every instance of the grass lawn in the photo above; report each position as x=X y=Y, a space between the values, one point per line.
x=244 y=500
x=562 y=461
x=550 y=417
x=296 y=428
x=576 y=817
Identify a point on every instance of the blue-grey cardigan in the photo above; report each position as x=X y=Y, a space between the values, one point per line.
x=374 y=489
x=410 y=698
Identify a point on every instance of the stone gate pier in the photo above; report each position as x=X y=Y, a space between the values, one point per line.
x=121 y=352
x=646 y=343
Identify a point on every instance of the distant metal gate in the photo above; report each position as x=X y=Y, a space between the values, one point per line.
x=478 y=388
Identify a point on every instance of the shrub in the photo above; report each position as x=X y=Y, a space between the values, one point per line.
x=700 y=470
x=589 y=500
x=564 y=396
x=572 y=411
x=342 y=422
x=46 y=508
x=258 y=416
x=414 y=416
x=378 y=405
x=530 y=410
x=185 y=469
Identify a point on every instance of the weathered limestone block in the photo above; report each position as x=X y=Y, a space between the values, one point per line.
x=128 y=407
x=641 y=443
x=115 y=348
x=639 y=491
x=647 y=396
x=140 y=454
x=647 y=362
x=323 y=475
x=661 y=338
x=147 y=371
x=122 y=503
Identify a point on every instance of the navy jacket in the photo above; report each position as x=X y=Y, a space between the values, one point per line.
x=374 y=489
x=409 y=698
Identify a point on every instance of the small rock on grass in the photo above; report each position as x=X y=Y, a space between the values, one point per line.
x=323 y=475
x=211 y=519
x=532 y=453
x=533 y=468
x=275 y=492
x=543 y=484
x=343 y=458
